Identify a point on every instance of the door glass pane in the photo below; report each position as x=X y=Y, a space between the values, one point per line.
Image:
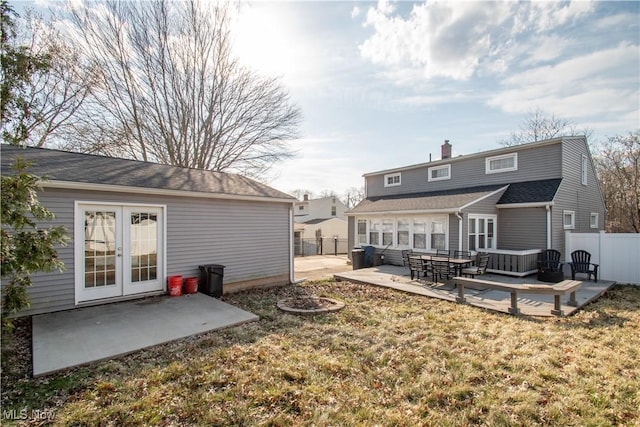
x=143 y=245
x=99 y=248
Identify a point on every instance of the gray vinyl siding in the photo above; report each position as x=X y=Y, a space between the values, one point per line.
x=573 y=196
x=250 y=238
x=534 y=163
x=522 y=228
x=454 y=226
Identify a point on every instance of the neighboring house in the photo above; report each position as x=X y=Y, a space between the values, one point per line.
x=318 y=224
x=512 y=202
x=132 y=224
x=322 y=208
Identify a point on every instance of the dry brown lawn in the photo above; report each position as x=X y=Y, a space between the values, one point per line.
x=388 y=359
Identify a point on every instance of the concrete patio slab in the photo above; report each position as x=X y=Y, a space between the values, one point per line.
x=318 y=267
x=76 y=337
x=398 y=278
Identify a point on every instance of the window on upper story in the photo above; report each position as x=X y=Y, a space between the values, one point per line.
x=593 y=220
x=439 y=173
x=568 y=220
x=301 y=208
x=583 y=169
x=503 y=163
x=392 y=179
x=333 y=211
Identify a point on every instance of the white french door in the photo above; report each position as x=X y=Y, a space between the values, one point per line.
x=119 y=250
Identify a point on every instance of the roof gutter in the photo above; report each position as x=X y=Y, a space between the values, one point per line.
x=459 y=215
x=405 y=212
x=525 y=205
x=160 y=192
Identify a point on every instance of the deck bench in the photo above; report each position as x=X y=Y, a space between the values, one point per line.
x=557 y=290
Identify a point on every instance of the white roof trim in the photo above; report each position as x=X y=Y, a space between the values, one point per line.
x=158 y=191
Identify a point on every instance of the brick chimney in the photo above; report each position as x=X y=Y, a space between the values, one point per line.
x=446 y=150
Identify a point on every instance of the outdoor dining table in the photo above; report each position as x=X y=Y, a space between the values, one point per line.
x=458 y=263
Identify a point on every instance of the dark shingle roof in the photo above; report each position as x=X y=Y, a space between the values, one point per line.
x=530 y=192
x=71 y=167
x=430 y=201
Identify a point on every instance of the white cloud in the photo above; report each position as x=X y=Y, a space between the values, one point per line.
x=457 y=39
x=598 y=85
x=355 y=12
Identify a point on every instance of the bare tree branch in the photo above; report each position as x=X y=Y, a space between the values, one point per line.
x=171 y=91
x=618 y=164
x=539 y=126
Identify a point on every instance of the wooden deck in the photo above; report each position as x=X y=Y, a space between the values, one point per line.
x=398 y=278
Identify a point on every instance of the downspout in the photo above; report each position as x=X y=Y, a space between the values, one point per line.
x=291 y=247
x=459 y=215
x=548 y=208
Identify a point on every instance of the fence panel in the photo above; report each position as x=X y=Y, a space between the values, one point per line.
x=617 y=254
x=325 y=246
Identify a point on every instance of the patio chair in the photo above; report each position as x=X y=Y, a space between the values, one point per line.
x=462 y=254
x=482 y=261
x=443 y=252
x=405 y=256
x=440 y=269
x=416 y=266
x=581 y=263
x=549 y=266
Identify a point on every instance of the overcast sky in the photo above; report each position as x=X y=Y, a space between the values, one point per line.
x=382 y=85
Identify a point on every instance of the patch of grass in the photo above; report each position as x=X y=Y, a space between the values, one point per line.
x=387 y=358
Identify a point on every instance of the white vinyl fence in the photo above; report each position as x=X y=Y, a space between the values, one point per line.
x=617 y=254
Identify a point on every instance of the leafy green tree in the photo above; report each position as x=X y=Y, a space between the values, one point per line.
x=26 y=246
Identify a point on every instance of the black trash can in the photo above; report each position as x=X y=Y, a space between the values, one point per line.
x=211 y=280
x=357 y=258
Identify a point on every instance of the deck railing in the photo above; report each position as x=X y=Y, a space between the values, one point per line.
x=513 y=263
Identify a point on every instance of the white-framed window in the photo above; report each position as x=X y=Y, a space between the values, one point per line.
x=439 y=173
x=374 y=232
x=503 y=163
x=438 y=234
x=593 y=220
x=584 y=169
x=420 y=233
x=333 y=211
x=568 y=220
x=387 y=232
x=402 y=234
x=424 y=233
x=362 y=231
x=482 y=232
x=392 y=179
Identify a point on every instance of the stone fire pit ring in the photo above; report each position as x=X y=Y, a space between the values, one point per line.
x=309 y=305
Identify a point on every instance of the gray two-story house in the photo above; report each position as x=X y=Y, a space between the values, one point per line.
x=511 y=202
